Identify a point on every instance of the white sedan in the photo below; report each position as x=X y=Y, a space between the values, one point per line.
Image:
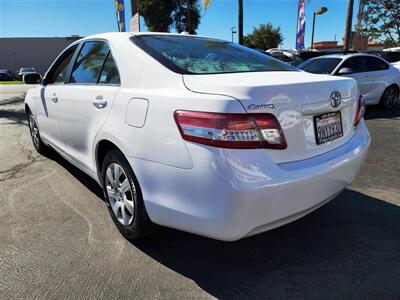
x=378 y=81
x=198 y=134
x=392 y=55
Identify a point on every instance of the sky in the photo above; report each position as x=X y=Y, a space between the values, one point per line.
x=42 y=18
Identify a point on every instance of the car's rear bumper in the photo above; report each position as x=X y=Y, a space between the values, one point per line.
x=230 y=194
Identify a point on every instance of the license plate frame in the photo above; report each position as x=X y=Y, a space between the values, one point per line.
x=333 y=129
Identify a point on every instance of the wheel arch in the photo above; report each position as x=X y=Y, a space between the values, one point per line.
x=102 y=148
x=27 y=108
x=395 y=84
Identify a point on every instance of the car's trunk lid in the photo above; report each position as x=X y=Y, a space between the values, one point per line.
x=294 y=98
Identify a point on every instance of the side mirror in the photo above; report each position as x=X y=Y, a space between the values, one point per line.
x=32 y=78
x=345 y=71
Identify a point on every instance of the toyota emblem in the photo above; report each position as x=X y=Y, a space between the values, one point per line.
x=336 y=99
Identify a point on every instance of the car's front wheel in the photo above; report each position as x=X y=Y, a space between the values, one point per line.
x=124 y=197
x=390 y=97
x=35 y=134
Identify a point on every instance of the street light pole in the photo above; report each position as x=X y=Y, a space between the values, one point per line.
x=319 y=11
x=312 y=34
x=349 y=20
x=240 y=21
x=233 y=31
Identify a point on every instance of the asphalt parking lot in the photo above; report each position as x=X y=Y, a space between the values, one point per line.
x=58 y=241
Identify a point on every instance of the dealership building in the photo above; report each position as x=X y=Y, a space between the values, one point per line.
x=37 y=52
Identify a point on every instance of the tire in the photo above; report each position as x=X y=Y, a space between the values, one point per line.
x=390 y=97
x=35 y=135
x=124 y=197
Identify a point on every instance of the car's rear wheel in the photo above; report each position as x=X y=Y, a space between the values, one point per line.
x=35 y=134
x=124 y=197
x=390 y=97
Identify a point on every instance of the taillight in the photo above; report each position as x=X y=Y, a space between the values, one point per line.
x=225 y=130
x=360 y=111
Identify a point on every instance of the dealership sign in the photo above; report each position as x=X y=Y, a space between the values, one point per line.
x=120 y=9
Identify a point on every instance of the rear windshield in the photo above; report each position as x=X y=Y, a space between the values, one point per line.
x=320 y=65
x=390 y=56
x=195 y=55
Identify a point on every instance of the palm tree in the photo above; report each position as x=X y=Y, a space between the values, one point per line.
x=206 y=4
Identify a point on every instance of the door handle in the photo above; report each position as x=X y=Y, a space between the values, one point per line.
x=54 y=98
x=100 y=103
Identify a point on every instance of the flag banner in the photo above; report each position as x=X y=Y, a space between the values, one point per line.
x=301 y=25
x=120 y=9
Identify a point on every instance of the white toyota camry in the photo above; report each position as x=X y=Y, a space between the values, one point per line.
x=198 y=134
x=378 y=81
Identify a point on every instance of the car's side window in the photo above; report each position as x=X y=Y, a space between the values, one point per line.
x=59 y=72
x=109 y=73
x=89 y=62
x=376 y=64
x=357 y=64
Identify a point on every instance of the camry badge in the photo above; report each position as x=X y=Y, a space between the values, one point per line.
x=260 y=106
x=336 y=99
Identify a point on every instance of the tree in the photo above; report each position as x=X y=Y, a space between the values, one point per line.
x=187 y=16
x=157 y=14
x=380 y=20
x=162 y=16
x=264 y=37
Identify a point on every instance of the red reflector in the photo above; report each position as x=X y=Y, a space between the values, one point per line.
x=360 y=111
x=231 y=130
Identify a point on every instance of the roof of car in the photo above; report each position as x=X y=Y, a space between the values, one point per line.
x=110 y=35
x=395 y=49
x=344 y=55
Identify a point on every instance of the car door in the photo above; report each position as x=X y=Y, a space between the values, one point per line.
x=367 y=76
x=93 y=84
x=378 y=74
x=47 y=106
x=360 y=73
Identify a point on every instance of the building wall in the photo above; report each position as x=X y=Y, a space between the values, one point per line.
x=31 y=52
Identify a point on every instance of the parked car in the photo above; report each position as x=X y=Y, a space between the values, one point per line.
x=6 y=75
x=297 y=57
x=24 y=71
x=308 y=54
x=378 y=81
x=391 y=55
x=198 y=134
x=290 y=57
x=394 y=49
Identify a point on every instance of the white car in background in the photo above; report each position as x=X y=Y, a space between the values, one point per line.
x=378 y=81
x=393 y=56
x=198 y=134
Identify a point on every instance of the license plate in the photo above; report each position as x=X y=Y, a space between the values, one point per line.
x=328 y=127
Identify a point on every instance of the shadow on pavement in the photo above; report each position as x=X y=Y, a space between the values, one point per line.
x=348 y=249
x=82 y=177
x=12 y=100
x=14 y=116
x=377 y=112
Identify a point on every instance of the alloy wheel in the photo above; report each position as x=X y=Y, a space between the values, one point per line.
x=34 y=131
x=121 y=194
x=390 y=97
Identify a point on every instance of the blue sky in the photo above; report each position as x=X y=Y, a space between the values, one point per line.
x=34 y=18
